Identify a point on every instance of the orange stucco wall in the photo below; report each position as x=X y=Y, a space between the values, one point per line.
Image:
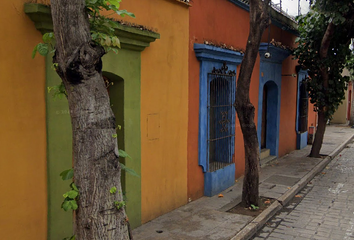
x=164 y=105
x=288 y=106
x=312 y=116
x=232 y=29
x=23 y=205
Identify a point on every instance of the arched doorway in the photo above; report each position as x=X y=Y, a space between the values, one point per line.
x=115 y=88
x=264 y=119
x=270 y=117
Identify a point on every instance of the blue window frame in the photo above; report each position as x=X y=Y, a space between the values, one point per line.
x=213 y=58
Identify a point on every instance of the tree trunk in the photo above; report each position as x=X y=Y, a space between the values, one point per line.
x=95 y=148
x=317 y=143
x=322 y=113
x=259 y=21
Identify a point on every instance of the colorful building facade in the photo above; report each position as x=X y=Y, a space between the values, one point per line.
x=145 y=88
x=23 y=206
x=172 y=94
x=343 y=114
x=274 y=92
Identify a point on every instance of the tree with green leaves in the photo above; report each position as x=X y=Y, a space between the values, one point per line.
x=323 y=49
x=259 y=21
x=82 y=35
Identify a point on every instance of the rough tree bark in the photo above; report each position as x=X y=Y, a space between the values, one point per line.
x=95 y=150
x=322 y=119
x=259 y=21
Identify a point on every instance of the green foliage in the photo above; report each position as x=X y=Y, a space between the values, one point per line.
x=67 y=174
x=312 y=28
x=58 y=91
x=123 y=154
x=350 y=65
x=45 y=47
x=254 y=207
x=119 y=204
x=102 y=28
x=70 y=198
x=113 y=190
x=70 y=238
x=128 y=170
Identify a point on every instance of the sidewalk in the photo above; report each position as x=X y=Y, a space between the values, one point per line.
x=206 y=218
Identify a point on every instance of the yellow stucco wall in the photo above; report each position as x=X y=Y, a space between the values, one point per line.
x=164 y=105
x=23 y=203
x=340 y=116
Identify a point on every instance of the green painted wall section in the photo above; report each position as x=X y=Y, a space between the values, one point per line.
x=127 y=66
x=116 y=94
x=125 y=100
x=59 y=158
x=125 y=95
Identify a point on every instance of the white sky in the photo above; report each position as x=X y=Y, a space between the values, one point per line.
x=291 y=6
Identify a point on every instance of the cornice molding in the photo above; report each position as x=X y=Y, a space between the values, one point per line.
x=130 y=37
x=277 y=54
x=205 y=52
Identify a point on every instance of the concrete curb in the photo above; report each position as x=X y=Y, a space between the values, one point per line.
x=252 y=227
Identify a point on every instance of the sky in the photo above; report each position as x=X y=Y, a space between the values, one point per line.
x=291 y=6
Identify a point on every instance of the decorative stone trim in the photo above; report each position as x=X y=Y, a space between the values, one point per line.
x=278 y=54
x=185 y=2
x=217 y=54
x=270 y=70
x=130 y=37
x=210 y=57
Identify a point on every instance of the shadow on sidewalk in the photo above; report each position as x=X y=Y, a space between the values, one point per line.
x=207 y=217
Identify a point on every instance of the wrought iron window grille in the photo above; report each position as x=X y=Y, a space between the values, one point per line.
x=221 y=133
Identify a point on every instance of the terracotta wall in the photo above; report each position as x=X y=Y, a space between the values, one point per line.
x=288 y=105
x=164 y=105
x=232 y=28
x=287 y=128
x=312 y=116
x=23 y=205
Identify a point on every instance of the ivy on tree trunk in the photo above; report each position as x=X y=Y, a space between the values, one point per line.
x=95 y=149
x=259 y=21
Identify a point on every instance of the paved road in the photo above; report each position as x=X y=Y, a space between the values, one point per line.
x=324 y=209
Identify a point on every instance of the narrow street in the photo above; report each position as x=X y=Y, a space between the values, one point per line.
x=324 y=209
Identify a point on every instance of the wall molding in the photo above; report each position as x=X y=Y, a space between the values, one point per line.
x=130 y=37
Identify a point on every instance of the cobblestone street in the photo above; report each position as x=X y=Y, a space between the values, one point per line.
x=324 y=209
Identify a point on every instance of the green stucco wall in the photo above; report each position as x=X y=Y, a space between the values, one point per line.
x=125 y=73
x=59 y=157
x=125 y=69
x=127 y=66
